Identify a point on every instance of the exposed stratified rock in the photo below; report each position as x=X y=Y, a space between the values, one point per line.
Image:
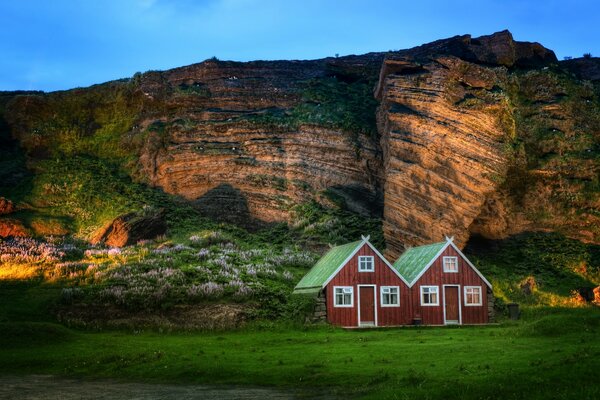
x=442 y=132
x=6 y=206
x=130 y=228
x=476 y=135
x=497 y=49
x=235 y=150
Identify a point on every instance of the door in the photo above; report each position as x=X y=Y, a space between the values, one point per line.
x=451 y=304
x=367 y=305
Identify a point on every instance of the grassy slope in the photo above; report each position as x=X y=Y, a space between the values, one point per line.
x=556 y=353
x=556 y=264
x=555 y=154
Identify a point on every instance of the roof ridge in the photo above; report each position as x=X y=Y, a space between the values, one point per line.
x=416 y=259
x=327 y=264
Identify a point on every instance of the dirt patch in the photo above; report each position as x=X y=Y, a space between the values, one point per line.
x=38 y=387
x=188 y=317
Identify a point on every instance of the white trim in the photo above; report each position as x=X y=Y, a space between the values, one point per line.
x=374 y=302
x=387 y=263
x=449 y=242
x=480 y=296
x=439 y=253
x=471 y=265
x=437 y=288
x=351 y=305
x=358 y=247
x=366 y=258
x=381 y=296
x=447 y=258
x=459 y=304
x=343 y=264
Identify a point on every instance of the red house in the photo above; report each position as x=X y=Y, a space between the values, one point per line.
x=433 y=284
x=359 y=287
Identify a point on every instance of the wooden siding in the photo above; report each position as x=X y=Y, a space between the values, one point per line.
x=435 y=276
x=382 y=276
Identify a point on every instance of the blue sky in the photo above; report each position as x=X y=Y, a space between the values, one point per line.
x=60 y=44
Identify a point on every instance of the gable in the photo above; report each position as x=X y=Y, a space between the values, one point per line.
x=332 y=262
x=370 y=250
x=414 y=261
x=470 y=264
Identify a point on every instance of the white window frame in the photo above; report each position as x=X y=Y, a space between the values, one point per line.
x=448 y=258
x=366 y=259
x=335 y=304
x=467 y=304
x=381 y=289
x=437 y=297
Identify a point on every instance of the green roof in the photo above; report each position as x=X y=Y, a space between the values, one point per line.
x=317 y=276
x=415 y=259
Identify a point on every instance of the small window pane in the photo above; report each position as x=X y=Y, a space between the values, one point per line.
x=450 y=264
x=389 y=296
x=366 y=263
x=343 y=296
x=473 y=295
x=429 y=295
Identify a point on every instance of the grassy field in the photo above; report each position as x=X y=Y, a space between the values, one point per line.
x=550 y=353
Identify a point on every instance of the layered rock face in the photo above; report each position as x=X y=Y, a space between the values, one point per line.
x=442 y=155
x=445 y=120
x=229 y=145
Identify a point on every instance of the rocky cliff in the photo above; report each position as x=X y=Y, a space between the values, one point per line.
x=238 y=140
x=463 y=135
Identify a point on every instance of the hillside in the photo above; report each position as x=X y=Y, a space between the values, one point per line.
x=488 y=139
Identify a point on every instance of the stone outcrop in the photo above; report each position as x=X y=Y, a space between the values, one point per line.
x=130 y=228
x=6 y=206
x=493 y=50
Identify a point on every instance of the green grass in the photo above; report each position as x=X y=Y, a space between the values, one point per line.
x=557 y=353
x=553 y=350
x=557 y=264
x=97 y=121
x=554 y=154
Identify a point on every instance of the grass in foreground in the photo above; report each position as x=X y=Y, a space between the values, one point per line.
x=551 y=354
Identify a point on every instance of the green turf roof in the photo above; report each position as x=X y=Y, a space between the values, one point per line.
x=325 y=267
x=415 y=259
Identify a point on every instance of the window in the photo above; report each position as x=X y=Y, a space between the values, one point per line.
x=429 y=296
x=366 y=264
x=450 y=264
x=390 y=296
x=343 y=296
x=473 y=296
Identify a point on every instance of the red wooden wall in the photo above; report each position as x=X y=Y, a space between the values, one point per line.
x=382 y=276
x=435 y=275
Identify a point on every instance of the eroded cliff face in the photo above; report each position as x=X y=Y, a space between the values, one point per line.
x=487 y=136
x=464 y=136
x=443 y=124
x=235 y=144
